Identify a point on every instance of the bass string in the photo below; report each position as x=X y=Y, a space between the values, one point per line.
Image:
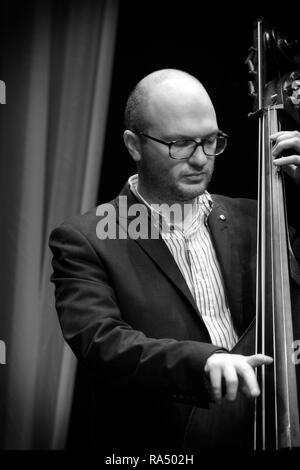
x=282 y=223
x=258 y=249
x=260 y=238
x=263 y=285
x=272 y=127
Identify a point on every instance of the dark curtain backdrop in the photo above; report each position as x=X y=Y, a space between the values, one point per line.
x=56 y=60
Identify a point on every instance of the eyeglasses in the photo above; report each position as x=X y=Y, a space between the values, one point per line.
x=183 y=149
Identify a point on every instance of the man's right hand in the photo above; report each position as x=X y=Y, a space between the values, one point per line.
x=235 y=372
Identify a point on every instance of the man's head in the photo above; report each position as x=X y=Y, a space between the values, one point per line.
x=169 y=105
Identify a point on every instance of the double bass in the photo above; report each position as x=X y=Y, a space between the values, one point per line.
x=271 y=422
x=277 y=107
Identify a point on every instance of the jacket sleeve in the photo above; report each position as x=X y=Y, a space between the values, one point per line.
x=92 y=324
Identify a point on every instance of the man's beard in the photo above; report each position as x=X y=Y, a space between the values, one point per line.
x=157 y=185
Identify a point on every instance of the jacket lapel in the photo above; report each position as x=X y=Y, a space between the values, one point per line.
x=155 y=248
x=225 y=243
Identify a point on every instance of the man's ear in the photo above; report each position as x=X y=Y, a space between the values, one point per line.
x=132 y=142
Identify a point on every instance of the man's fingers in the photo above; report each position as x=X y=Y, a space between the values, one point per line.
x=215 y=378
x=284 y=135
x=287 y=141
x=235 y=372
x=259 y=360
x=286 y=152
x=247 y=375
x=231 y=382
x=249 y=382
x=290 y=160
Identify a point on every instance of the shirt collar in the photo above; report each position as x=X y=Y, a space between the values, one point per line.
x=202 y=207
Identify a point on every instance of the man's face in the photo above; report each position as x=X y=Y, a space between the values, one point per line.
x=177 y=112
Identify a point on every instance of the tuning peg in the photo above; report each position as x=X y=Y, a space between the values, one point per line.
x=249 y=60
x=251 y=67
x=251 y=89
x=251 y=53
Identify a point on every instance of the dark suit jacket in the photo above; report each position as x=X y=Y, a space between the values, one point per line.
x=127 y=313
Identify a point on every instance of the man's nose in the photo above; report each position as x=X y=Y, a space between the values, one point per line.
x=198 y=158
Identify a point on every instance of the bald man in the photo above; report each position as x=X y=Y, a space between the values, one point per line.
x=155 y=288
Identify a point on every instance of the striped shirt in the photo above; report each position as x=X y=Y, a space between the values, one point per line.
x=191 y=246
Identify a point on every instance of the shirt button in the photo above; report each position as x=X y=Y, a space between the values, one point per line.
x=222 y=217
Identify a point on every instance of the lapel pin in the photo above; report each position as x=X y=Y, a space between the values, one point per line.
x=222 y=217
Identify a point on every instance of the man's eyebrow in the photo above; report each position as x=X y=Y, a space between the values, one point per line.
x=171 y=137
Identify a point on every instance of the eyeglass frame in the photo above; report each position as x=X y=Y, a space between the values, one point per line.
x=169 y=144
